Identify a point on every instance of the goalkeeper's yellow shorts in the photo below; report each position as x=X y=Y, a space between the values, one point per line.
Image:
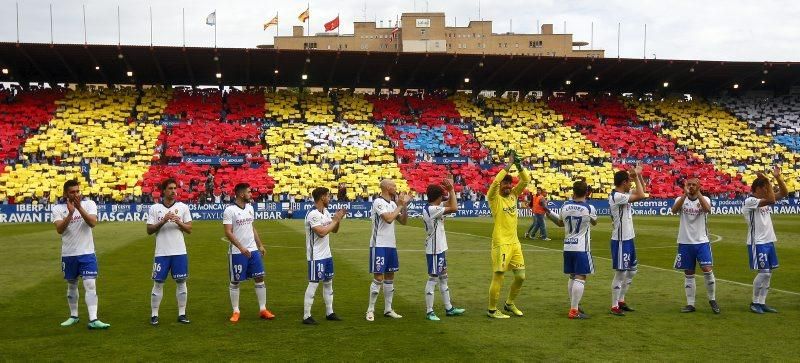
x=507 y=257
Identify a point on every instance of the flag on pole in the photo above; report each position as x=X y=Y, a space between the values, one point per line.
x=211 y=19
x=272 y=22
x=333 y=24
x=395 y=32
x=304 y=15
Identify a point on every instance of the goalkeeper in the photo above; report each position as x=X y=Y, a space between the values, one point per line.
x=506 y=249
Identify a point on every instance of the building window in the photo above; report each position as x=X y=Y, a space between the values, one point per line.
x=309 y=45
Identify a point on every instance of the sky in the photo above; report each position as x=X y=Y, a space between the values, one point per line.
x=733 y=30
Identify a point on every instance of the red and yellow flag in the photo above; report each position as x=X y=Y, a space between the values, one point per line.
x=303 y=16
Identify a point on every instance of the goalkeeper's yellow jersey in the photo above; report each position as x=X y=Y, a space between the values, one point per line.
x=504 y=209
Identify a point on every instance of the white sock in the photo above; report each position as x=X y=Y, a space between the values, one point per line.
x=181 y=295
x=691 y=289
x=577 y=293
x=766 y=276
x=758 y=285
x=327 y=296
x=445 y=291
x=765 y=288
x=711 y=285
x=155 y=297
x=234 y=291
x=430 y=286
x=261 y=294
x=627 y=284
x=374 y=290
x=616 y=287
x=308 y=300
x=90 y=296
x=570 y=282
x=388 y=294
x=72 y=297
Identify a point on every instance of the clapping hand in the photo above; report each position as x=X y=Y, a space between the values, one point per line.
x=168 y=217
x=447 y=184
x=404 y=198
x=340 y=214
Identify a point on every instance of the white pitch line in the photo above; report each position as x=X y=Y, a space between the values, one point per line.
x=648 y=266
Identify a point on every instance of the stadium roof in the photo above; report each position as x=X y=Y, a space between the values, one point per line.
x=110 y=64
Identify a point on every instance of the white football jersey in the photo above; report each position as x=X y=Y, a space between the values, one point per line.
x=317 y=248
x=169 y=239
x=242 y=221
x=621 y=216
x=382 y=232
x=77 y=239
x=759 y=222
x=577 y=217
x=436 y=240
x=693 y=227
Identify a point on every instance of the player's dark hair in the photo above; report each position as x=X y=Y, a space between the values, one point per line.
x=434 y=192
x=758 y=183
x=165 y=184
x=508 y=179
x=241 y=187
x=69 y=184
x=621 y=177
x=319 y=192
x=580 y=188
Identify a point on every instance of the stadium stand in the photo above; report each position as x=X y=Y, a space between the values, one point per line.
x=210 y=123
x=776 y=116
x=618 y=130
x=113 y=139
x=317 y=108
x=245 y=105
x=719 y=138
x=555 y=153
x=21 y=115
x=282 y=105
x=352 y=107
x=392 y=108
x=94 y=137
x=355 y=155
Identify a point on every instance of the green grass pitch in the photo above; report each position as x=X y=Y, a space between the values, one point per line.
x=33 y=304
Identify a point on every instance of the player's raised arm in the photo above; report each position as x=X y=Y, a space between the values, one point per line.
x=339 y=223
x=494 y=188
x=592 y=215
x=640 y=192
x=89 y=216
x=705 y=205
x=403 y=198
x=452 y=203
x=769 y=193
x=678 y=205
x=524 y=176
x=332 y=227
x=555 y=218
x=62 y=222
x=783 y=191
x=184 y=221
